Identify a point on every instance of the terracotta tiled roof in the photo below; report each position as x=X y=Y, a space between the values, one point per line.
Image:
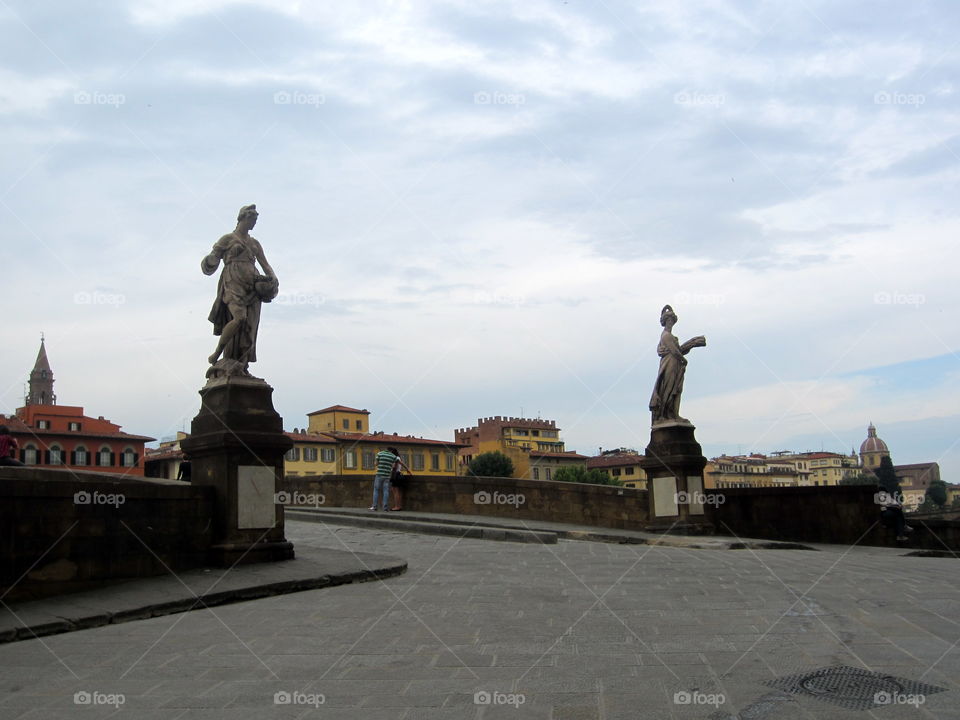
x=153 y=454
x=384 y=438
x=310 y=437
x=604 y=461
x=17 y=426
x=571 y=455
x=339 y=408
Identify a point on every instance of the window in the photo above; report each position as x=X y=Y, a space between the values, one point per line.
x=30 y=455
x=368 y=460
x=405 y=456
x=536 y=473
x=616 y=472
x=105 y=457
x=80 y=456
x=43 y=424
x=310 y=454
x=435 y=462
x=535 y=433
x=548 y=473
x=128 y=458
x=346 y=424
x=350 y=459
x=418 y=461
x=629 y=471
x=359 y=424
x=450 y=465
x=55 y=455
x=328 y=455
x=74 y=427
x=293 y=455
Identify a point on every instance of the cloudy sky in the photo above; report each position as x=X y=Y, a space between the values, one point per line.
x=479 y=208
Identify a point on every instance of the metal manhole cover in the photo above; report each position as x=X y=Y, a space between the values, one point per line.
x=855 y=688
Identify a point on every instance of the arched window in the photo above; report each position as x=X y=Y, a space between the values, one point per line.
x=55 y=455
x=81 y=456
x=129 y=457
x=30 y=454
x=105 y=457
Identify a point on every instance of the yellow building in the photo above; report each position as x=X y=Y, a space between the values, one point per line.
x=311 y=454
x=533 y=445
x=622 y=465
x=339 y=418
x=338 y=441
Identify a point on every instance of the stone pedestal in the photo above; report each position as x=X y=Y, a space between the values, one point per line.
x=237 y=445
x=674 y=463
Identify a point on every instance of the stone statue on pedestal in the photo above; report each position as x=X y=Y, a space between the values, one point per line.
x=236 y=311
x=665 y=401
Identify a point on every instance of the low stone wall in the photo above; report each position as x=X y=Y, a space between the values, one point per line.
x=841 y=515
x=62 y=530
x=593 y=505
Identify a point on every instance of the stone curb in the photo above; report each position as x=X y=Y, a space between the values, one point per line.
x=487 y=530
x=470 y=530
x=58 y=624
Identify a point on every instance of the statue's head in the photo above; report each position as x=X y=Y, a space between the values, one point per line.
x=248 y=211
x=667 y=314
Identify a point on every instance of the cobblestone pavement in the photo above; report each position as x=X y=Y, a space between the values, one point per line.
x=480 y=629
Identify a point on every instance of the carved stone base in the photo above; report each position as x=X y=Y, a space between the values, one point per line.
x=237 y=446
x=674 y=463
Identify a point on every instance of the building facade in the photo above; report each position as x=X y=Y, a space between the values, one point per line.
x=622 y=465
x=338 y=441
x=533 y=445
x=62 y=436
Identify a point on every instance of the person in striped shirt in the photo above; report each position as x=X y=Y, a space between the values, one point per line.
x=386 y=461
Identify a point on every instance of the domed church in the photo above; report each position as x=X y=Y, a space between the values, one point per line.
x=872 y=449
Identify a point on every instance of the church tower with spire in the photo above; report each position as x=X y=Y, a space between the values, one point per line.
x=41 y=380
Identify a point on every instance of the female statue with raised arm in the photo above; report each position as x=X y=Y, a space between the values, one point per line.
x=665 y=401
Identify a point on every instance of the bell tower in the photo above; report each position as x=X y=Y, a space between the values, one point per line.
x=41 y=380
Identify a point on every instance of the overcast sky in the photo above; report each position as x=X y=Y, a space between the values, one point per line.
x=479 y=208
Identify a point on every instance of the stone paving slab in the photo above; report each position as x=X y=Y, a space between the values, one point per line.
x=482 y=630
x=191 y=590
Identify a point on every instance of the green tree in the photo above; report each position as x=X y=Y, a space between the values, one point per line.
x=886 y=476
x=579 y=474
x=937 y=493
x=491 y=464
x=863 y=478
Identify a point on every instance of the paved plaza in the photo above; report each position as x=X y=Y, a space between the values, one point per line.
x=568 y=631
